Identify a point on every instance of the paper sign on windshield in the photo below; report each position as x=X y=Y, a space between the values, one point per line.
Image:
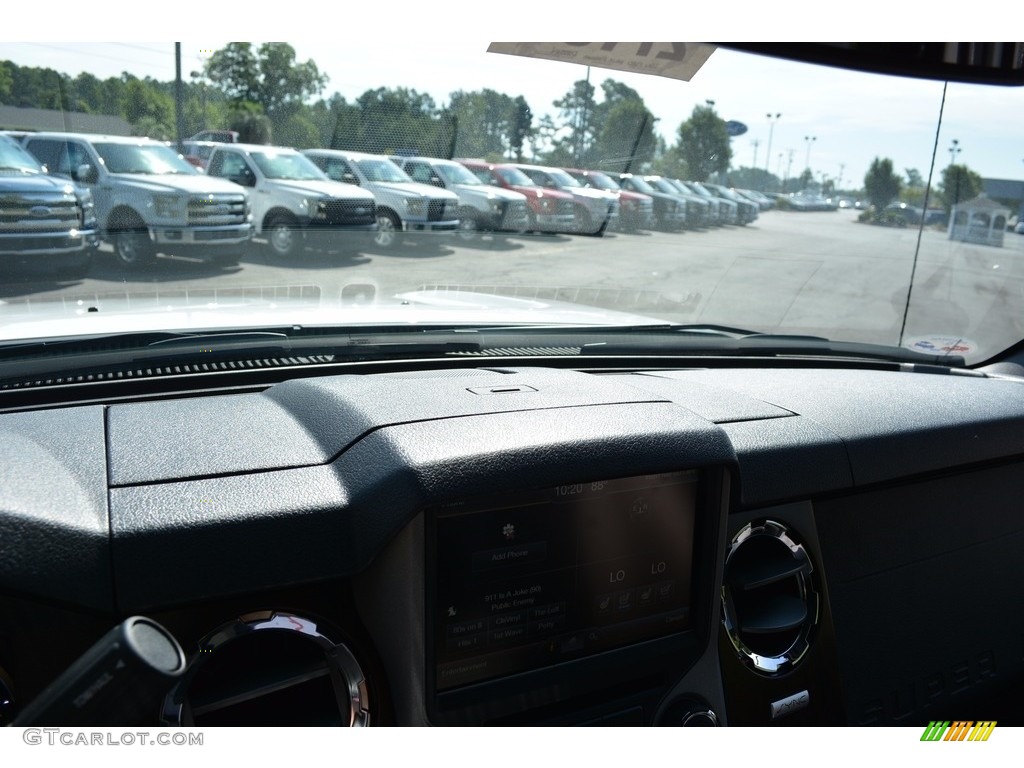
x=676 y=60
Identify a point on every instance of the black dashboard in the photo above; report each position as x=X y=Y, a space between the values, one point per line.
x=832 y=544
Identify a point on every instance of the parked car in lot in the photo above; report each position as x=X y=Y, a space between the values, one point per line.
x=746 y=211
x=549 y=209
x=698 y=209
x=294 y=201
x=403 y=205
x=670 y=212
x=595 y=208
x=47 y=224
x=636 y=210
x=198 y=152
x=482 y=207
x=148 y=199
x=219 y=136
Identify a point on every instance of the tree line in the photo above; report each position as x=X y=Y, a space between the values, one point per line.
x=269 y=96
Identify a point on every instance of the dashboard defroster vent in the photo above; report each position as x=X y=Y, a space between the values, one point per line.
x=770 y=601
x=270 y=669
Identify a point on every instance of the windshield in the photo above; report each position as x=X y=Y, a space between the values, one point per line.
x=287 y=165
x=457 y=174
x=382 y=170
x=514 y=177
x=14 y=158
x=150 y=159
x=889 y=208
x=598 y=181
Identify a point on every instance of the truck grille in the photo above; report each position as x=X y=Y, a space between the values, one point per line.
x=349 y=211
x=440 y=210
x=216 y=210
x=27 y=213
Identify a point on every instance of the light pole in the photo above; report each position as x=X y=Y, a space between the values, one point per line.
x=810 y=141
x=772 y=120
x=201 y=79
x=755 y=142
x=954 y=150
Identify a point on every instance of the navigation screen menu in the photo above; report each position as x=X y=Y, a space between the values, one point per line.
x=553 y=575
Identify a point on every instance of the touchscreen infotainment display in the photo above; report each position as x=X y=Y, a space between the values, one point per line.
x=541 y=577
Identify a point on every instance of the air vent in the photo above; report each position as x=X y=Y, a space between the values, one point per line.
x=270 y=669
x=769 y=599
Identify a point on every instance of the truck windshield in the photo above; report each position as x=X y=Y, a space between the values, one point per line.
x=150 y=159
x=287 y=166
x=14 y=158
x=382 y=170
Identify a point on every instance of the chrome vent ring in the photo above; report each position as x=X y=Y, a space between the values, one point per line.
x=770 y=598
x=270 y=669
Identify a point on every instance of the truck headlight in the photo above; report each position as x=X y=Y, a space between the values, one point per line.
x=315 y=208
x=168 y=206
x=416 y=207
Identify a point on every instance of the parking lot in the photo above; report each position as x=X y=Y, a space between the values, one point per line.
x=819 y=273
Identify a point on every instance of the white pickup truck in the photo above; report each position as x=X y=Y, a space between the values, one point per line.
x=294 y=201
x=148 y=199
x=482 y=207
x=403 y=205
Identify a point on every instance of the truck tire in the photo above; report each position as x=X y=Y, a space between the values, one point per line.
x=283 y=236
x=388 y=230
x=133 y=248
x=468 y=228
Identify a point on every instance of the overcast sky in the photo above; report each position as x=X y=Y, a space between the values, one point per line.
x=852 y=117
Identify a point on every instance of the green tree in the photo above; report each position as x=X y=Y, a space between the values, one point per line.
x=486 y=120
x=397 y=120
x=522 y=127
x=626 y=141
x=269 y=76
x=141 y=100
x=576 y=109
x=881 y=184
x=959 y=183
x=703 y=143
x=751 y=178
x=297 y=131
x=234 y=69
x=252 y=125
x=6 y=81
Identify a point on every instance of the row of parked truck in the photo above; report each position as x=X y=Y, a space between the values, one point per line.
x=62 y=193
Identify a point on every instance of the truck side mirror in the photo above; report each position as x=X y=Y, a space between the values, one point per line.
x=436 y=181
x=86 y=174
x=350 y=178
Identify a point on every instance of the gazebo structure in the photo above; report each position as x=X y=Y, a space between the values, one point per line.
x=981 y=220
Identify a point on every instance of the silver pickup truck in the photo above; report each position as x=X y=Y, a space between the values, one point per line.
x=148 y=199
x=294 y=202
x=403 y=205
x=482 y=207
x=46 y=224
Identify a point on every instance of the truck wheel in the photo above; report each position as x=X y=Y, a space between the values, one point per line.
x=388 y=229
x=283 y=236
x=133 y=248
x=467 y=229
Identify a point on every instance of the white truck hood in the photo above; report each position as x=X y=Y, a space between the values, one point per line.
x=420 y=307
x=172 y=182
x=316 y=187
